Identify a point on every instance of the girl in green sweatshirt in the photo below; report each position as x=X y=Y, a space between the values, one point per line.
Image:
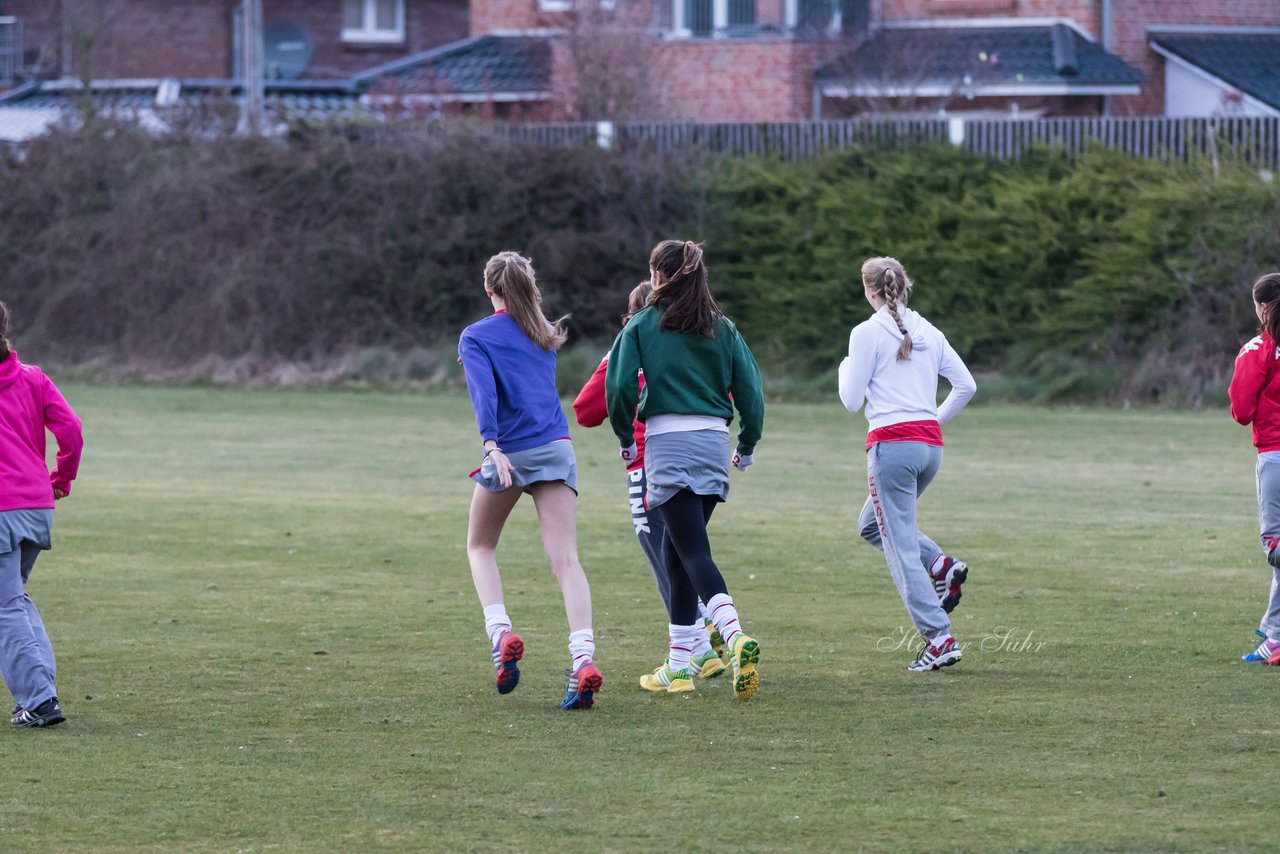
x=697 y=369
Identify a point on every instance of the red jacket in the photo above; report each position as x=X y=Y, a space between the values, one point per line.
x=30 y=404
x=590 y=410
x=1255 y=391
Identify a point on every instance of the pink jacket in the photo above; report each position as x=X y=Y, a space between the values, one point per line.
x=30 y=402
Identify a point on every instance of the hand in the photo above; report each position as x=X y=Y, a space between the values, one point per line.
x=59 y=494
x=629 y=454
x=742 y=461
x=503 y=467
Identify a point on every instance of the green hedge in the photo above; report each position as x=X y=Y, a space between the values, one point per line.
x=1105 y=276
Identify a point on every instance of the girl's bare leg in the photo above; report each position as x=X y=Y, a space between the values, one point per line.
x=557 y=520
x=489 y=512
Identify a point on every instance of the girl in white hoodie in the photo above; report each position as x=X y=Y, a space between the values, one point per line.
x=895 y=358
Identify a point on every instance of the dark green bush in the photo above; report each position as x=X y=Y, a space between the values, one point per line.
x=120 y=245
x=1107 y=276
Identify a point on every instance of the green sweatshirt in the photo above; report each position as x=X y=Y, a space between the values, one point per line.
x=683 y=375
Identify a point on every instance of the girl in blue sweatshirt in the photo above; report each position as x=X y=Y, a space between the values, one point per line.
x=510 y=364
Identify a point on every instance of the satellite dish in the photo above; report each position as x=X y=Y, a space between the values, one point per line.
x=288 y=48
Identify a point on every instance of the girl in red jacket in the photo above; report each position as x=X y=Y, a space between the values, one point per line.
x=29 y=404
x=1255 y=399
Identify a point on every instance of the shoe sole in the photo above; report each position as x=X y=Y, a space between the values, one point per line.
x=959 y=575
x=680 y=686
x=507 y=676
x=940 y=662
x=588 y=685
x=746 y=680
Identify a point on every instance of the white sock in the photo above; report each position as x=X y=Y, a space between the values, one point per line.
x=724 y=616
x=582 y=647
x=701 y=640
x=496 y=622
x=681 y=640
x=702 y=612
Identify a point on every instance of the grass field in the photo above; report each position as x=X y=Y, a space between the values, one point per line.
x=269 y=641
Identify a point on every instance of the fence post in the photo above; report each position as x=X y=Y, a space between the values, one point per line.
x=604 y=135
x=955 y=131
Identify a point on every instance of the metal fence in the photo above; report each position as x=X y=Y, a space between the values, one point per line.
x=1253 y=140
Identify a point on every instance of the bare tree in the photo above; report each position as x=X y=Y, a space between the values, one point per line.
x=896 y=72
x=607 y=60
x=84 y=24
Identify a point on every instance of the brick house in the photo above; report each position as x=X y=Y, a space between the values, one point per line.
x=197 y=39
x=691 y=60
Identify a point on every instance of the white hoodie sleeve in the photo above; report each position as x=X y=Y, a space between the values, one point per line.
x=962 y=385
x=856 y=368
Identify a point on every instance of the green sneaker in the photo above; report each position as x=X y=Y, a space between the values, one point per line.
x=666 y=681
x=717 y=641
x=746 y=655
x=706 y=666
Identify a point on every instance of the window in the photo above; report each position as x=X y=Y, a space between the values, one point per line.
x=742 y=17
x=832 y=17
x=699 y=18
x=373 y=20
x=704 y=19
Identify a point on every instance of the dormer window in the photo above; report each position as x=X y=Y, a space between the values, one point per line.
x=373 y=21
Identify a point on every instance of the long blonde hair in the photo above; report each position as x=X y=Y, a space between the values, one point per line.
x=889 y=281
x=510 y=276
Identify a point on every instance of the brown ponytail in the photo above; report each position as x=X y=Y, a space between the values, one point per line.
x=1266 y=293
x=888 y=280
x=510 y=276
x=5 y=347
x=680 y=284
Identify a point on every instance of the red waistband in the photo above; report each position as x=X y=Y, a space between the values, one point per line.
x=927 y=432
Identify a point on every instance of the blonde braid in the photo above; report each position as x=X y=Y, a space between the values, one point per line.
x=893 y=288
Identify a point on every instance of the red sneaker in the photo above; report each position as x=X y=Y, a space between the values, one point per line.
x=508 y=650
x=583 y=684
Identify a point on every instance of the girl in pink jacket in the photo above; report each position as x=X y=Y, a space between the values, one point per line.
x=29 y=404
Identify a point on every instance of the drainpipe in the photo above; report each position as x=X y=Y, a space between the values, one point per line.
x=1107 y=39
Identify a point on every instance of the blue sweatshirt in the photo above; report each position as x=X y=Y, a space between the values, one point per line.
x=512 y=383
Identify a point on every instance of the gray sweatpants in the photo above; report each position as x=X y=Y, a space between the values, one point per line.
x=897 y=474
x=649 y=530
x=26 y=656
x=1269 y=522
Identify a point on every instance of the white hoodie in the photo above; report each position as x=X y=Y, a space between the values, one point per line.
x=899 y=391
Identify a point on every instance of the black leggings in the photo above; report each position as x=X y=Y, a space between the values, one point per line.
x=686 y=554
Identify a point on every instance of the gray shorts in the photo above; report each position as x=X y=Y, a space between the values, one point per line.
x=19 y=526
x=550 y=462
x=696 y=460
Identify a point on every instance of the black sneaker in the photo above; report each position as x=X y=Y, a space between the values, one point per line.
x=47 y=713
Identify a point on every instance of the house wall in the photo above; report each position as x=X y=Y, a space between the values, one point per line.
x=193 y=38
x=1188 y=93
x=738 y=81
x=1133 y=17
x=1083 y=12
x=428 y=24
